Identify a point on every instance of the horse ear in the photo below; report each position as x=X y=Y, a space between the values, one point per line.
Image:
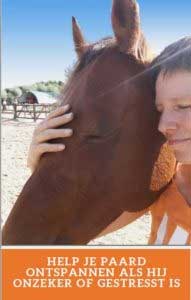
x=79 y=41
x=126 y=25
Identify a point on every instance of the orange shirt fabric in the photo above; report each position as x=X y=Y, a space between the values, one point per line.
x=171 y=219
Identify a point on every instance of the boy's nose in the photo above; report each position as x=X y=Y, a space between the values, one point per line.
x=167 y=125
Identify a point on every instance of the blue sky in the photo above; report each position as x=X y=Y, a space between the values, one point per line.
x=37 y=39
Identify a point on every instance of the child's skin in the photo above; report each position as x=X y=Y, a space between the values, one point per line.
x=173 y=100
x=46 y=131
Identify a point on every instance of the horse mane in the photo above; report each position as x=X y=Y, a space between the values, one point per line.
x=94 y=50
x=145 y=53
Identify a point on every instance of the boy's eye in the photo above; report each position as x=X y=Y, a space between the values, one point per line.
x=183 y=106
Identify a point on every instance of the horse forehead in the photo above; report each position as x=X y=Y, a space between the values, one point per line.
x=113 y=64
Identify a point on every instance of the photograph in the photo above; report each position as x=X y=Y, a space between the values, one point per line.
x=96 y=123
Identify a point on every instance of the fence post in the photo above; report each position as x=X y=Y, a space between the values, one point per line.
x=34 y=112
x=4 y=105
x=15 y=111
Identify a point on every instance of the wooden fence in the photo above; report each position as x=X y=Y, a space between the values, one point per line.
x=28 y=111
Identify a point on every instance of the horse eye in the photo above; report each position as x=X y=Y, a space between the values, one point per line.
x=93 y=138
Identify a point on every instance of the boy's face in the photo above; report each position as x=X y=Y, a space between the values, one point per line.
x=173 y=100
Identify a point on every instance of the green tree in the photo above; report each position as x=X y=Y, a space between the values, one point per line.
x=13 y=94
x=4 y=95
x=16 y=92
x=60 y=83
x=25 y=88
x=43 y=88
x=3 y=99
x=53 y=89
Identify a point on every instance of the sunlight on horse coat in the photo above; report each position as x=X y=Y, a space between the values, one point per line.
x=108 y=163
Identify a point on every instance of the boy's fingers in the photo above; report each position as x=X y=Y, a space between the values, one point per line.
x=50 y=134
x=59 y=111
x=55 y=122
x=45 y=147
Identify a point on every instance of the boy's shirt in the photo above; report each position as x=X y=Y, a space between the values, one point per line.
x=171 y=219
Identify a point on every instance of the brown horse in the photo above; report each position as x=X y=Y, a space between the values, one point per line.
x=114 y=162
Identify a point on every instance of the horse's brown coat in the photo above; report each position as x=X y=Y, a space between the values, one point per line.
x=108 y=163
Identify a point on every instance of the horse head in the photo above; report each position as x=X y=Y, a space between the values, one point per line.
x=115 y=160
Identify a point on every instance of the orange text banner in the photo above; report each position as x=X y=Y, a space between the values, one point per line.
x=77 y=273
